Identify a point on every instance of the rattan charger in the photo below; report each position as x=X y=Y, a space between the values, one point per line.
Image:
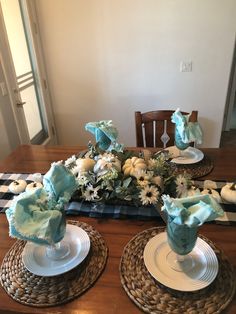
x=38 y=291
x=152 y=297
x=196 y=170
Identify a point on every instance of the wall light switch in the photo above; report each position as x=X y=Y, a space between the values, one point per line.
x=3 y=88
x=186 y=66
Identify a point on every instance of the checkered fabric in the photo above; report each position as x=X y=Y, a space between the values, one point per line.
x=97 y=210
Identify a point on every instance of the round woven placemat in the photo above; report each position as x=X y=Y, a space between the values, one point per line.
x=196 y=170
x=152 y=297
x=33 y=290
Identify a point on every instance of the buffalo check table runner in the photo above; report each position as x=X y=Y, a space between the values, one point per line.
x=98 y=210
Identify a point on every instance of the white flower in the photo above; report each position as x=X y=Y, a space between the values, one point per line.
x=59 y=162
x=70 y=161
x=151 y=164
x=143 y=178
x=91 y=193
x=149 y=195
x=158 y=180
x=182 y=186
x=75 y=170
x=106 y=162
x=82 y=179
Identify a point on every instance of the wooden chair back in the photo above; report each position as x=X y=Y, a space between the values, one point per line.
x=155 y=129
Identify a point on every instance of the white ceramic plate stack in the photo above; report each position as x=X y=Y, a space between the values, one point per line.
x=36 y=261
x=199 y=277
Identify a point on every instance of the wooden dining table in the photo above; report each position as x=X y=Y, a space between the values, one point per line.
x=107 y=294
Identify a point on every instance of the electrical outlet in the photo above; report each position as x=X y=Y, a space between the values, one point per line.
x=186 y=66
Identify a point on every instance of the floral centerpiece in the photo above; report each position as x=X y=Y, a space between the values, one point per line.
x=107 y=173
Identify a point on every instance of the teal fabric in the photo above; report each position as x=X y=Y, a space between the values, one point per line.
x=39 y=215
x=105 y=134
x=188 y=131
x=193 y=210
x=60 y=183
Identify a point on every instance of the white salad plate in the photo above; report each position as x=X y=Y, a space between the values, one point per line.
x=36 y=261
x=190 y=155
x=200 y=276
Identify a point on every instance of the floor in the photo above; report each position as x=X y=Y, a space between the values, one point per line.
x=228 y=138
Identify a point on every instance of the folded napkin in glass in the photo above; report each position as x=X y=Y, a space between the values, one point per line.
x=105 y=134
x=192 y=211
x=188 y=131
x=39 y=215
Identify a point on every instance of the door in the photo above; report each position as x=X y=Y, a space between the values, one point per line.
x=25 y=74
x=229 y=121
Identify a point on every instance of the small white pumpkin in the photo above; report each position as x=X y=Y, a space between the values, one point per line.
x=85 y=164
x=105 y=162
x=17 y=186
x=213 y=193
x=228 y=192
x=133 y=165
x=33 y=186
x=193 y=191
x=209 y=184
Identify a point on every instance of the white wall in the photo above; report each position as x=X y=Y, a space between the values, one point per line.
x=107 y=58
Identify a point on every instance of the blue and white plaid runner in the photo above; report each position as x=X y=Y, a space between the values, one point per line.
x=97 y=210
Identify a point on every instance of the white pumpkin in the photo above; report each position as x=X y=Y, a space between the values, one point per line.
x=17 y=186
x=106 y=162
x=228 y=192
x=213 y=193
x=133 y=165
x=209 y=184
x=85 y=164
x=193 y=191
x=33 y=186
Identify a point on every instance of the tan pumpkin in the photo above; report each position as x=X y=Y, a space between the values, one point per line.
x=85 y=164
x=133 y=165
x=228 y=192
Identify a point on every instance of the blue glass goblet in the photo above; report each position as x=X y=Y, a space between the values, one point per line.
x=181 y=239
x=179 y=142
x=60 y=249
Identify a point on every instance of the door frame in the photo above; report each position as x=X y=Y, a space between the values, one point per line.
x=231 y=95
x=10 y=76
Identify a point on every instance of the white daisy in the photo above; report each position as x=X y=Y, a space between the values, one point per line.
x=82 y=179
x=91 y=193
x=143 y=178
x=181 y=186
x=149 y=195
x=70 y=161
x=75 y=170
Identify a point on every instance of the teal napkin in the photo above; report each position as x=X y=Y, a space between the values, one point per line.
x=105 y=134
x=188 y=131
x=193 y=210
x=39 y=215
x=60 y=183
x=30 y=219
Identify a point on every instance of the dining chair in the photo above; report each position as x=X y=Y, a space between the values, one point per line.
x=155 y=129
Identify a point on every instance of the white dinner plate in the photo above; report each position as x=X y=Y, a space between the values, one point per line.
x=200 y=276
x=190 y=155
x=36 y=261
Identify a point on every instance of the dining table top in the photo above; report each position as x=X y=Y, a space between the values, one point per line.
x=107 y=294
